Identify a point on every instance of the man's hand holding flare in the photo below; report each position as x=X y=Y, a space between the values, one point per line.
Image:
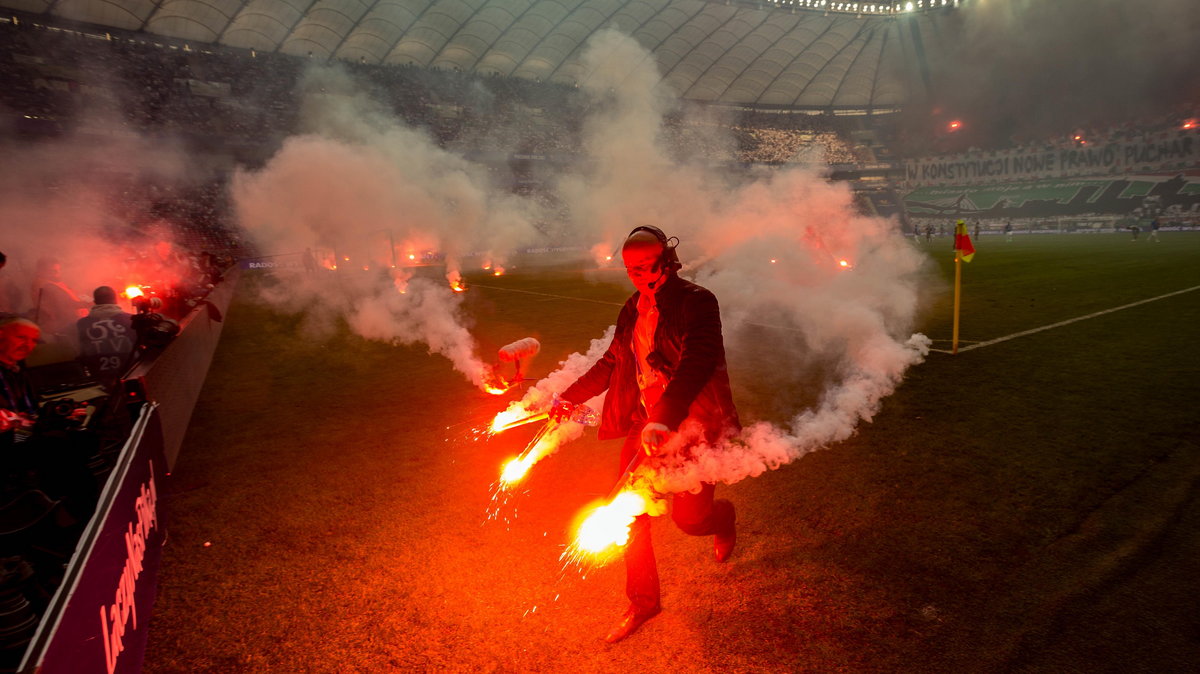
x=561 y=410
x=654 y=436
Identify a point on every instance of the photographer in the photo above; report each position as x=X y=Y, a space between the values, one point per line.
x=106 y=338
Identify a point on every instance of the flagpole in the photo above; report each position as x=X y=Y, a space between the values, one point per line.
x=957 y=296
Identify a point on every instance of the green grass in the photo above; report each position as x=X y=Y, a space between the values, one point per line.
x=1027 y=506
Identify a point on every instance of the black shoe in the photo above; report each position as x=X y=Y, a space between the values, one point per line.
x=723 y=543
x=629 y=624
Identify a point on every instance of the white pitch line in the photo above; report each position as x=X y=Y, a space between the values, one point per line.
x=1069 y=321
x=557 y=297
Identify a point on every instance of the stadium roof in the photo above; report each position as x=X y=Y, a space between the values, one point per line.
x=775 y=54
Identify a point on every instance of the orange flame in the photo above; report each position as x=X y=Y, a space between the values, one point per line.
x=458 y=286
x=133 y=291
x=845 y=264
x=498 y=271
x=608 y=525
x=506 y=417
x=516 y=469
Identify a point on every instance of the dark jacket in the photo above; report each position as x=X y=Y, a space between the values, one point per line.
x=16 y=393
x=106 y=341
x=688 y=349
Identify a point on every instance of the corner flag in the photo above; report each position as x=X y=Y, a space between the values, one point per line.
x=962 y=241
x=963 y=250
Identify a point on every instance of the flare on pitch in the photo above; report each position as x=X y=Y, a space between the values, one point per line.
x=519 y=353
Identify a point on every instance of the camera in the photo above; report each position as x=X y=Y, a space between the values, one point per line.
x=60 y=414
x=152 y=328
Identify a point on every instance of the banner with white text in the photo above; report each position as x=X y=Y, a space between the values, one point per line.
x=1168 y=150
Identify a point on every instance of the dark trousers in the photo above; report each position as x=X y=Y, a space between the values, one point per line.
x=695 y=514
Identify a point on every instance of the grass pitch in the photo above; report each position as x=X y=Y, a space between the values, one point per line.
x=1029 y=505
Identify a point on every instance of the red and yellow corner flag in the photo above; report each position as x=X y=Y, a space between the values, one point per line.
x=962 y=241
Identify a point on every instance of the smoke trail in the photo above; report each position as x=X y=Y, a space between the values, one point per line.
x=369 y=194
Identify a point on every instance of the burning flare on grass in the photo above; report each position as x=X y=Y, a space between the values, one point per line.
x=516 y=469
x=542 y=444
x=608 y=525
x=512 y=418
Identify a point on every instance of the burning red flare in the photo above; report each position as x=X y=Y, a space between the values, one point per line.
x=955 y=125
x=845 y=264
x=458 y=286
x=512 y=419
x=134 y=291
x=516 y=469
x=608 y=525
x=507 y=419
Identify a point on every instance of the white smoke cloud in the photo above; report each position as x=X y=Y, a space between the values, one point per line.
x=365 y=192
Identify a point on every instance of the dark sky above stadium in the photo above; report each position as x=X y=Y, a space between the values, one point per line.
x=1034 y=68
